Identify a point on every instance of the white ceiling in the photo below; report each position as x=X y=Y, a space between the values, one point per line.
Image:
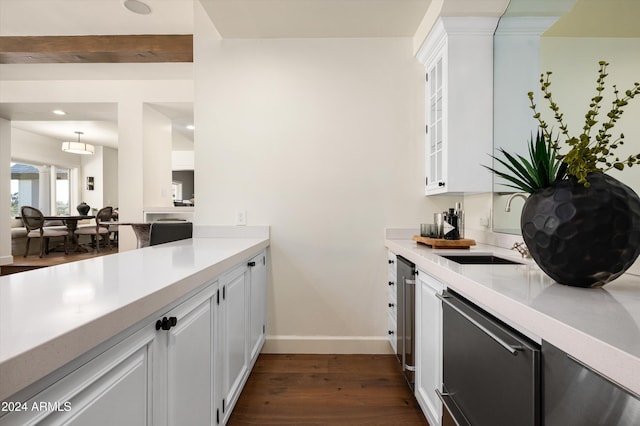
x=233 y=18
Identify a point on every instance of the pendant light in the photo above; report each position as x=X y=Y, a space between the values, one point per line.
x=78 y=147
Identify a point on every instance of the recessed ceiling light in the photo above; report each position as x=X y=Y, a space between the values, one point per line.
x=190 y=126
x=136 y=6
x=59 y=112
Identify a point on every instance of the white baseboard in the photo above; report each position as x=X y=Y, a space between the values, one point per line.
x=6 y=260
x=327 y=345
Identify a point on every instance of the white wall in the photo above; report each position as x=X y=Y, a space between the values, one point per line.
x=157 y=159
x=574 y=63
x=92 y=165
x=37 y=149
x=323 y=140
x=5 y=190
x=110 y=176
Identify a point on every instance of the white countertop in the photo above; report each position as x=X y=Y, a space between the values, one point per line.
x=600 y=326
x=52 y=315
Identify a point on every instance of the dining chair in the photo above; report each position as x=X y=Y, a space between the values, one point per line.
x=101 y=228
x=33 y=221
x=166 y=232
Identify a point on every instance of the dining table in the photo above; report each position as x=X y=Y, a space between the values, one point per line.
x=140 y=229
x=71 y=222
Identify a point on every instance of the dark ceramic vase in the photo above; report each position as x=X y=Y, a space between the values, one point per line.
x=83 y=208
x=583 y=237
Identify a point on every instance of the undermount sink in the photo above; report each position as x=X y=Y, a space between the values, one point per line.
x=479 y=259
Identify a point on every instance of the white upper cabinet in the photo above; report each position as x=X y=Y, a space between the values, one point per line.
x=458 y=58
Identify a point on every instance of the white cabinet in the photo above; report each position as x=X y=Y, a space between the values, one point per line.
x=392 y=331
x=113 y=386
x=184 y=364
x=258 y=307
x=233 y=343
x=458 y=58
x=429 y=346
x=242 y=323
x=161 y=375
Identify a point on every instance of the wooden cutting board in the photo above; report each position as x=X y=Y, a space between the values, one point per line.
x=463 y=243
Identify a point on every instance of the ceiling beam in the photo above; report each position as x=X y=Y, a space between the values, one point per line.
x=96 y=49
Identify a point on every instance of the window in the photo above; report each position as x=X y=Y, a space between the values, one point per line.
x=63 y=187
x=32 y=185
x=25 y=187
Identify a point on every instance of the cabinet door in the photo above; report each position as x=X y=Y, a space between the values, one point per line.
x=429 y=347
x=188 y=348
x=435 y=128
x=258 y=297
x=234 y=334
x=115 y=388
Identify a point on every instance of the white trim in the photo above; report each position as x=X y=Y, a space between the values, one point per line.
x=452 y=26
x=327 y=345
x=6 y=260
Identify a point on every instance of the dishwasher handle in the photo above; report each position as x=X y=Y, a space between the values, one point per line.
x=450 y=405
x=510 y=348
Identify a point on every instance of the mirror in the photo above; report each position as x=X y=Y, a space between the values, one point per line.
x=569 y=38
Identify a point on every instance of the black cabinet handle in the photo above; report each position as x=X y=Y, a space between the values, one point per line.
x=391 y=332
x=440 y=183
x=251 y=264
x=391 y=305
x=391 y=283
x=391 y=262
x=166 y=323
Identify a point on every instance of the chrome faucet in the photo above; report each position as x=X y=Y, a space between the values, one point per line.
x=522 y=249
x=523 y=195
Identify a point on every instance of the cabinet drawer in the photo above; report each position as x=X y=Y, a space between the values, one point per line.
x=113 y=388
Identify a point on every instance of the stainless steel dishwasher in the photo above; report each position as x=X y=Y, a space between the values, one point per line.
x=491 y=373
x=405 y=308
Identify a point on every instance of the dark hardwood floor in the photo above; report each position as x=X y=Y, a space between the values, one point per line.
x=33 y=261
x=327 y=390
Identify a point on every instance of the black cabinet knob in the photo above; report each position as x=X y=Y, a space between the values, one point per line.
x=391 y=262
x=391 y=283
x=391 y=305
x=166 y=323
x=441 y=183
x=391 y=332
x=251 y=264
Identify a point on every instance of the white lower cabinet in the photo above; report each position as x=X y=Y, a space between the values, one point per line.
x=233 y=333
x=184 y=362
x=185 y=367
x=258 y=308
x=241 y=332
x=429 y=346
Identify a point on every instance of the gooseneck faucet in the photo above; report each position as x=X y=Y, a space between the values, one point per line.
x=523 y=195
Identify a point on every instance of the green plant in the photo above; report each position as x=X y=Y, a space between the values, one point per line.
x=541 y=169
x=589 y=153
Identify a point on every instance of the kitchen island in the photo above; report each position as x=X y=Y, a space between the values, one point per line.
x=55 y=320
x=600 y=327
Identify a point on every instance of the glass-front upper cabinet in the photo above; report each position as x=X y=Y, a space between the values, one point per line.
x=458 y=59
x=434 y=126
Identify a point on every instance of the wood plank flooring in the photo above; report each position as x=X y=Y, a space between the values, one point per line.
x=33 y=261
x=327 y=390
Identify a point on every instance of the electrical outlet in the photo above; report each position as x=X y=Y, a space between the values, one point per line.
x=241 y=217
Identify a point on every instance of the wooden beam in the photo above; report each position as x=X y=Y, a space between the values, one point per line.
x=96 y=49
